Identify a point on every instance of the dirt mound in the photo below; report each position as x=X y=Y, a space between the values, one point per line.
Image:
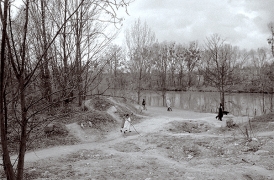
x=78 y=133
x=188 y=126
x=115 y=107
x=102 y=115
x=97 y=103
x=56 y=129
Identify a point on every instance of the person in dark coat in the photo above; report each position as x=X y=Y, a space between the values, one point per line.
x=144 y=104
x=220 y=113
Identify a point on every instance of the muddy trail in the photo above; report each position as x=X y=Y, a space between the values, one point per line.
x=164 y=145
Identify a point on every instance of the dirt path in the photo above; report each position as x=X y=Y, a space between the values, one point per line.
x=134 y=148
x=155 y=120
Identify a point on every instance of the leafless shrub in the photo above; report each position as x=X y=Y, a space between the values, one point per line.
x=230 y=123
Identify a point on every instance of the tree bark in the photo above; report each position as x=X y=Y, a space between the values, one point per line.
x=23 y=140
x=21 y=79
x=45 y=72
x=6 y=156
x=139 y=85
x=65 y=58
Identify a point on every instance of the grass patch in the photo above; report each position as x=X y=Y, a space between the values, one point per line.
x=263 y=123
x=185 y=147
x=60 y=116
x=37 y=139
x=60 y=136
x=127 y=147
x=95 y=164
x=264 y=118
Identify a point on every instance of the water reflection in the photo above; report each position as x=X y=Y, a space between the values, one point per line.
x=249 y=104
x=238 y=104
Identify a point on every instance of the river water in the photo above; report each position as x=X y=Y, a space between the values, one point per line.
x=238 y=104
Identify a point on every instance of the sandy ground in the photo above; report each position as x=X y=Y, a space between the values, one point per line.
x=159 y=147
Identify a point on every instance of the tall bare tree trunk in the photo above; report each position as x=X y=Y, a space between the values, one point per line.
x=223 y=99
x=139 y=86
x=24 y=123
x=78 y=30
x=271 y=99
x=23 y=140
x=65 y=58
x=45 y=67
x=6 y=156
x=164 y=88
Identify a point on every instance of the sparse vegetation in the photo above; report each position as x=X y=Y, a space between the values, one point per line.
x=230 y=123
x=189 y=126
x=192 y=143
x=99 y=120
x=101 y=103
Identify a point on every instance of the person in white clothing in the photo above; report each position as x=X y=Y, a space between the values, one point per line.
x=123 y=124
x=127 y=124
x=168 y=103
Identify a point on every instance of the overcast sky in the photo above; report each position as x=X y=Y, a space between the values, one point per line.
x=242 y=23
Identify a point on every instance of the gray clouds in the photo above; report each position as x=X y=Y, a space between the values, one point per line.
x=240 y=22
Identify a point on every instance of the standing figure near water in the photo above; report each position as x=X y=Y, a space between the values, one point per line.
x=220 y=113
x=168 y=103
x=144 y=104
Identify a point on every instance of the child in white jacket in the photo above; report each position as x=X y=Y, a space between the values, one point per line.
x=126 y=124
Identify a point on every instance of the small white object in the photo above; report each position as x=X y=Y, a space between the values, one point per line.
x=82 y=125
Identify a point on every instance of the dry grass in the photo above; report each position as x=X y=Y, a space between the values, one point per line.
x=188 y=126
x=218 y=151
x=194 y=144
x=99 y=165
x=101 y=103
x=99 y=120
x=66 y=115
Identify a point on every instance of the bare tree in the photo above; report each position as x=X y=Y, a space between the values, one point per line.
x=83 y=41
x=180 y=58
x=26 y=62
x=258 y=78
x=139 y=39
x=115 y=64
x=166 y=58
x=270 y=71
x=41 y=33
x=220 y=65
x=192 y=57
x=271 y=39
x=4 y=143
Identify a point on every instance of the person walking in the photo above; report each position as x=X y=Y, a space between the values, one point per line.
x=220 y=113
x=127 y=124
x=144 y=104
x=123 y=123
x=168 y=103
